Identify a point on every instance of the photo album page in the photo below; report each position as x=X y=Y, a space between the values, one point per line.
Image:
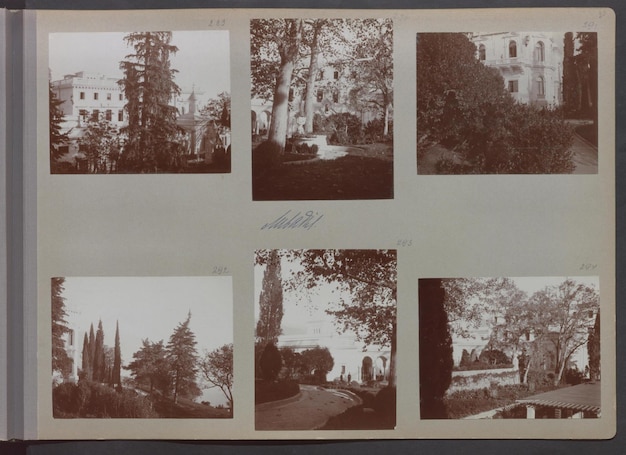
x=319 y=224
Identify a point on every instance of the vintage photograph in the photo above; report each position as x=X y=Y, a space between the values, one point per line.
x=322 y=109
x=509 y=348
x=142 y=347
x=325 y=351
x=140 y=102
x=507 y=103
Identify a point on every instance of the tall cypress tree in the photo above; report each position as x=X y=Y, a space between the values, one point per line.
x=86 y=355
x=148 y=85
x=98 y=358
x=270 y=302
x=183 y=359
x=57 y=138
x=117 y=359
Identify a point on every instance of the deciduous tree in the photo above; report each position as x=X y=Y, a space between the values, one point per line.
x=150 y=366
x=369 y=276
x=317 y=361
x=217 y=369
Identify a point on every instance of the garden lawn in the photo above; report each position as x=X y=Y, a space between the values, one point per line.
x=348 y=177
x=187 y=409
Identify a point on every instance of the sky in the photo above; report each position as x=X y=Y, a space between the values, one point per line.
x=300 y=307
x=203 y=57
x=150 y=307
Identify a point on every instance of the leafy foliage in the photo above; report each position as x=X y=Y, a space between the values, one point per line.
x=153 y=137
x=268 y=326
x=60 y=360
x=151 y=366
x=270 y=362
x=217 y=369
x=318 y=362
x=101 y=146
x=464 y=105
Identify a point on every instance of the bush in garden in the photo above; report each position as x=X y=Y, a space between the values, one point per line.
x=270 y=362
x=267 y=154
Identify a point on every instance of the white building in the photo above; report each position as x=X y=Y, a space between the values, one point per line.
x=90 y=96
x=531 y=64
x=351 y=357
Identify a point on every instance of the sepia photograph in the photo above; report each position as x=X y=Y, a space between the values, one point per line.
x=142 y=347
x=325 y=350
x=509 y=348
x=507 y=103
x=322 y=109
x=139 y=102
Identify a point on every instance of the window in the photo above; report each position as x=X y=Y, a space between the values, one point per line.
x=320 y=95
x=82 y=95
x=512 y=49
x=335 y=96
x=541 y=88
x=482 y=52
x=513 y=86
x=83 y=113
x=120 y=116
x=121 y=97
x=108 y=115
x=95 y=96
x=108 y=97
x=540 y=54
x=336 y=75
x=95 y=115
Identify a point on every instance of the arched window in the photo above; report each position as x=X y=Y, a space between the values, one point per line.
x=540 y=53
x=541 y=87
x=482 y=52
x=512 y=49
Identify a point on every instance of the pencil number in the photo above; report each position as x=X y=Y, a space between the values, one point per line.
x=590 y=25
x=217 y=22
x=404 y=242
x=220 y=270
x=588 y=266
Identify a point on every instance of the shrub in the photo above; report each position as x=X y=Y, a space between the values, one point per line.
x=270 y=362
x=572 y=376
x=314 y=149
x=345 y=129
x=266 y=155
x=90 y=399
x=373 y=131
x=494 y=357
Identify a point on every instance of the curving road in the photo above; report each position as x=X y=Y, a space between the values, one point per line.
x=308 y=410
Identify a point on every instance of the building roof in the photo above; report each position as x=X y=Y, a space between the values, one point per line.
x=582 y=397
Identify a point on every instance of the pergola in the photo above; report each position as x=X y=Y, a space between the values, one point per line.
x=570 y=402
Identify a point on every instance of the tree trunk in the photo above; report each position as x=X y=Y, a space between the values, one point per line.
x=280 y=103
x=386 y=123
x=392 y=360
x=309 y=108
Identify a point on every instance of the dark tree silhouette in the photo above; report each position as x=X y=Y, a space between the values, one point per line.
x=435 y=349
x=593 y=348
x=56 y=118
x=116 y=378
x=217 y=370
